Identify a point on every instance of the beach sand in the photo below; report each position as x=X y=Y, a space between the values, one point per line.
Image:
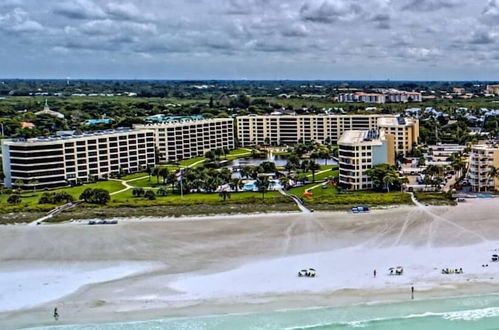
x=154 y=268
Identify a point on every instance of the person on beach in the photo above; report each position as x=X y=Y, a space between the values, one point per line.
x=374 y=273
x=56 y=314
x=412 y=292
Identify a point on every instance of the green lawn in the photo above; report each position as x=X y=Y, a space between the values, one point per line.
x=190 y=161
x=134 y=176
x=30 y=199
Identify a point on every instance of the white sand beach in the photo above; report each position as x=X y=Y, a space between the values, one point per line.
x=151 y=268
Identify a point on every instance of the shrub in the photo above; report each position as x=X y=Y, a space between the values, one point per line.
x=95 y=196
x=14 y=199
x=55 y=198
x=150 y=195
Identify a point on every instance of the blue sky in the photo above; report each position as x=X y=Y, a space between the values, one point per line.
x=250 y=39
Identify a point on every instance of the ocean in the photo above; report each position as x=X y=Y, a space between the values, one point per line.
x=472 y=312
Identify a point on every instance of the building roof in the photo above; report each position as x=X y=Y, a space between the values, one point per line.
x=355 y=137
x=46 y=111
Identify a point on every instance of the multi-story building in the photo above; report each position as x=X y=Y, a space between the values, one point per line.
x=177 y=140
x=404 y=130
x=291 y=129
x=390 y=95
x=57 y=161
x=482 y=158
x=492 y=89
x=361 y=150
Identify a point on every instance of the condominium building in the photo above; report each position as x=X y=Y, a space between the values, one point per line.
x=382 y=96
x=57 y=161
x=482 y=158
x=492 y=89
x=404 y=130
x=292 y=129
x=177 y=140
x=361 y=150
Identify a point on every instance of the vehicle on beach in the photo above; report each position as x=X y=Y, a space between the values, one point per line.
x=452 y=271
x=495 y=257
x=307 y=272
x=399 y=270
x=360 y=209
x=103 y=222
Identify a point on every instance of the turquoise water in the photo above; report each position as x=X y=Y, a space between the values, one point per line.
x=477 y=313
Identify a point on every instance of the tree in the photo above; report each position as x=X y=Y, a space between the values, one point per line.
x=262 y=184
x=224 y=194
x=289 y=167
x=150 y=195
x=388 y=180
x=162 y=192
x=493 y=173
x=155 y=172
x=33 y=182
x=236 y=184
x=19 y=184
x=14 y=199
x=313 y=166
x=285 y=182
x=210 y=155
x=138 y=192
x=95 y=196
x=382 y=175
x=163 y=173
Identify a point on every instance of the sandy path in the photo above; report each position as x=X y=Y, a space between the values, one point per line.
x=204 y=266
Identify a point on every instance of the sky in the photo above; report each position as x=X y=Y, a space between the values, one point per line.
x=250 y=39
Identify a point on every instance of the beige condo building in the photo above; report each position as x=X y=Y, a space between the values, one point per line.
x=186 y=139
x=482 y=158
x=361 y=150
x=292 y=129
x=71 y=158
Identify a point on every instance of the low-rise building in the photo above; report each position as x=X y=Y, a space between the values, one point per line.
x=483 y=158
x=492 y=89
x=57 y=161
x=188 y=138
x=361 y=150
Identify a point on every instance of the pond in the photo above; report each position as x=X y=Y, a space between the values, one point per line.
x=278 y=160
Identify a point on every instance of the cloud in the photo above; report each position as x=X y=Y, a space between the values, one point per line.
x=382 y=21
x=482 y=37
x=321 y=37
x=19 y=20
x=430 y=5
x=80 y=9
x=328 y=11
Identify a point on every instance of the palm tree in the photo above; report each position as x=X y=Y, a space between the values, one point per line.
x=163 y=172
x=263 y=185
x=313 y=166
x=289 y=167
x=19 y=184
x=34 y=183
x=388 y=180
x=285 y=182
x=236 y=184
x=493 y=173
x=224 y=194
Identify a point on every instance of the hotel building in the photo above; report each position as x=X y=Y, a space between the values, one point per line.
x=361 y=150
x=292 y=129
x=183 y=139
x=381 y=97
x=57 y=161
x=482 y=158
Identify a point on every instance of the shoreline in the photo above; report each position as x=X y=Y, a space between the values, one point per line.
x=197 y=255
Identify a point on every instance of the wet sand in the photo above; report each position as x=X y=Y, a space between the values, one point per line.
x=155 y=268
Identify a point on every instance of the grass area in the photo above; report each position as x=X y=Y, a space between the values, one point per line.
x=434 y=198
x=191 y=161
x=345 y=200
x=29 y=202
x=134 y=176
x=127 y=198
x=174 y=210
